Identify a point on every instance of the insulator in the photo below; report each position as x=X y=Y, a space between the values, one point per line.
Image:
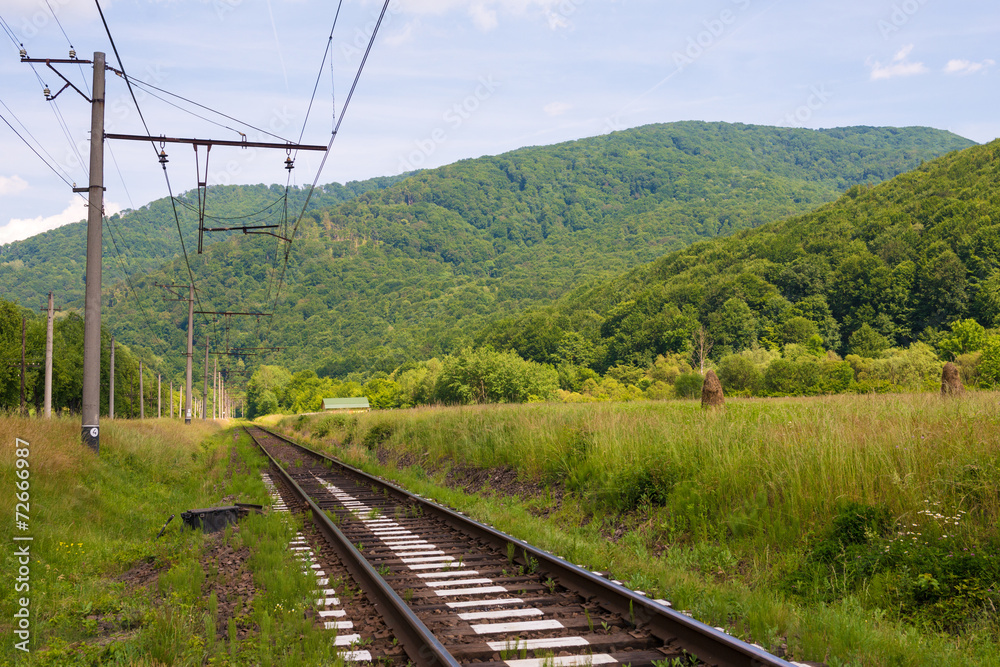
x=24 y=53
x=47 y=92
x=163 y=157
x=289 y=163
x=72 y=53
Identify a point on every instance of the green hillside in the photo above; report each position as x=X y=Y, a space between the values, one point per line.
x=885 y=265
x=417 y=268
x=142 y=240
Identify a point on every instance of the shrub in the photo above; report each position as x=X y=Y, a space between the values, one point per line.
x=688 y=385
x=739 y=375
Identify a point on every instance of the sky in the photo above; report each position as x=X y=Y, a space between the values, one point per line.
x=453 y=79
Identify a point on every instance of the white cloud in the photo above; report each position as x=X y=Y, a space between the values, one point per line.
x=485 y=19
x=957 y=66
x=22 y=228
x=898 y=67
x=557 y=108
x=12 y=185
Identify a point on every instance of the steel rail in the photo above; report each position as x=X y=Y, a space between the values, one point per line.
x=705 y=642
x=420 y=644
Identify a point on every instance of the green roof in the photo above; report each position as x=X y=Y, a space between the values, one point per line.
x=355 y=403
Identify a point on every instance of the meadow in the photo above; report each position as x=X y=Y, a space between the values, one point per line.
x=854 y=530
x=105 y=591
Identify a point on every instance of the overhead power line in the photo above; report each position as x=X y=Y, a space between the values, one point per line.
x=326 y=155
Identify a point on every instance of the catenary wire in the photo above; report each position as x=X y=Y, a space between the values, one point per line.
x=326 y=155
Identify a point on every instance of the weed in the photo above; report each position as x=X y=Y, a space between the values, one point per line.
x=550 y=584
x=408 y=595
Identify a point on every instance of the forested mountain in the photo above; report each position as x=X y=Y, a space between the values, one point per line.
x=142 y=240
x=418 y=268
x=882 y=266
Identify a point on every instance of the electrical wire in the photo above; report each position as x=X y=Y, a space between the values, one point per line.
x=179 y=107
x=64 y=177
x=326 y=155
x=322 y=64
x=166 y=177
x=59 y=23
x=147 y=85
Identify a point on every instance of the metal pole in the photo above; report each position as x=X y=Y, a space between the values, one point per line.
x=111 y=382
x=24 y=366
x=190 y=353
x=204 y=391
x=142 y=395
x=48 y=361
x=91 y=425
x=159 y=397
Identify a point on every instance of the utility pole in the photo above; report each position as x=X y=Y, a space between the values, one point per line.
x=159 y=397
x=111 y=383
x=190 y=353
x=48 y=361
x=215 y=388
x=204 y=391
x=171 y=399
x=180 y=403
x=142 y=396
x=91 y=425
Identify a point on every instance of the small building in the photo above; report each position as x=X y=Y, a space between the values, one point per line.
x=348 y=405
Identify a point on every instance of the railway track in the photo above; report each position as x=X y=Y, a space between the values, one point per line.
x=454 y=591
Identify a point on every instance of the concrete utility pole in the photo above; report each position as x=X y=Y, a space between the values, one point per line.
x=91 y=425
x=48 y=360
x=215 y=388
x=111 y=382
x=171 y=399
x=204 y=391
x=159 y=396
x=180 y=403
x=190 y=353
x=142 y=396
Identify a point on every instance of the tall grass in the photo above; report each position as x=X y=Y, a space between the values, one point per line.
x=728 y=512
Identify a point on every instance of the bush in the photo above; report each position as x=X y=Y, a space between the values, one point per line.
x=739 y=375
x=487 y=376
x=688 y=385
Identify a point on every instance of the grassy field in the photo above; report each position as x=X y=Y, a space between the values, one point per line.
x=855 y=530
x=105 y=591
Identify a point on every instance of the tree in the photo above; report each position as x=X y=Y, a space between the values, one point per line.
x=989 y=364
x=966 y=336
x=702 y=344
x=866 y=342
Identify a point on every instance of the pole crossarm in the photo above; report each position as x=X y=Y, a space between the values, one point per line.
x=216 y=142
